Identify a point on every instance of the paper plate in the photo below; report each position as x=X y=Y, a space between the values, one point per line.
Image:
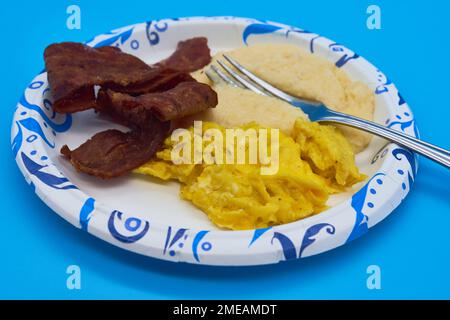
x=147 y=216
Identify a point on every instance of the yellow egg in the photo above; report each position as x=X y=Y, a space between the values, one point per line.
x=314 y=162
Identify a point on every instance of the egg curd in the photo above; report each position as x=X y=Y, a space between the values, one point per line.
x=315 y=161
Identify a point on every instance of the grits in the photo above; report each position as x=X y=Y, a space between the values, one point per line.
x=299 y=73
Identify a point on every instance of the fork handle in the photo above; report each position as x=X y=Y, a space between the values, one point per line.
x=426 y=149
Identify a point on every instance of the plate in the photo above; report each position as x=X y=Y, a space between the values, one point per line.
x=147 y=217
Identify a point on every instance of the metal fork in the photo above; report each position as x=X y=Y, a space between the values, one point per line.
x=241 y=77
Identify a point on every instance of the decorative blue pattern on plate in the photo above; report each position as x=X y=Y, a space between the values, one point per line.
x=258 y=28
x=17 y=140
x=410 y=157
x=205 y=246
x=86 y=212
x=133 y=229
x=358 y=204
x=46 y=178
x=311 y=232
x=58 y=127
x=257 y=234
x=346 y=57
x=287 y=245
x=117 y=37
x=153 y=29
x=180 y=234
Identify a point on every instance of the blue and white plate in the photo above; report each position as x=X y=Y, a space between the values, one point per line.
x=148 y=217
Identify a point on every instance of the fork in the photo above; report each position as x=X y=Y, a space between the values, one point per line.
x=241 y=77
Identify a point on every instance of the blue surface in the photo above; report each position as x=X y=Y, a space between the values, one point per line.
x=411 y=246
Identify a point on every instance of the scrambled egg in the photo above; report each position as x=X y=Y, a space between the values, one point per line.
x=314 y=162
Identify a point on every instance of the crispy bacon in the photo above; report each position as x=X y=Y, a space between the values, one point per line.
x=73 y=69
x=185 y=99
x=190 y=55
x=112 y=153
x=156 y=80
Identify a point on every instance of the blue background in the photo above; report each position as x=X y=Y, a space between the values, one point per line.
x=411 y=246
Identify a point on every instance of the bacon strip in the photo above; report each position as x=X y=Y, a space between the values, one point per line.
x=190 y=55
x=73 y=69
x=156 y=80
x=112 y=153
x=185 y=99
